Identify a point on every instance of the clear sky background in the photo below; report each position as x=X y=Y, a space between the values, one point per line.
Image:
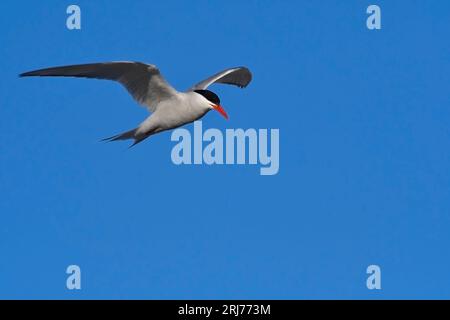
x=364 y=153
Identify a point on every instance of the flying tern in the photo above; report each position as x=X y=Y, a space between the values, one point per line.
x=169 y=108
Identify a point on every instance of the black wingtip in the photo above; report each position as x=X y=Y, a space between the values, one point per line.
x=27 y=74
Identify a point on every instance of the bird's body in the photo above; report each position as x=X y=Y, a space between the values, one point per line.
x=176 y=111
x=170 y=108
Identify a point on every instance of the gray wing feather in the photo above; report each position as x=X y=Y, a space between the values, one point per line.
x=143 y=81
x=240 y=76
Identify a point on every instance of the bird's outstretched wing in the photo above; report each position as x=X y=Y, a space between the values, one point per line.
x=143 y=81
x=240 y=76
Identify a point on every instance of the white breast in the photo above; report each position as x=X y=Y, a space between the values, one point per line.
x=180 y=109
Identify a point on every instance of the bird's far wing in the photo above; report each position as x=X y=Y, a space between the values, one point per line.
x=143 y=81
x=239 y=76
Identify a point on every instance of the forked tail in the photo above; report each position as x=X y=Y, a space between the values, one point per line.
x=128 y=135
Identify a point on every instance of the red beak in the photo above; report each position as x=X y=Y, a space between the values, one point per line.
x=219 y=109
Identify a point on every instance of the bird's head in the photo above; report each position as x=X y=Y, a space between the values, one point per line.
x=212 y=101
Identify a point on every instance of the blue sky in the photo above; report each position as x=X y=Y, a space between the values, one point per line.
x=364 y=153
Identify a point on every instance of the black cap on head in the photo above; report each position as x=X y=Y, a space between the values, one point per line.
x=209 y=95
